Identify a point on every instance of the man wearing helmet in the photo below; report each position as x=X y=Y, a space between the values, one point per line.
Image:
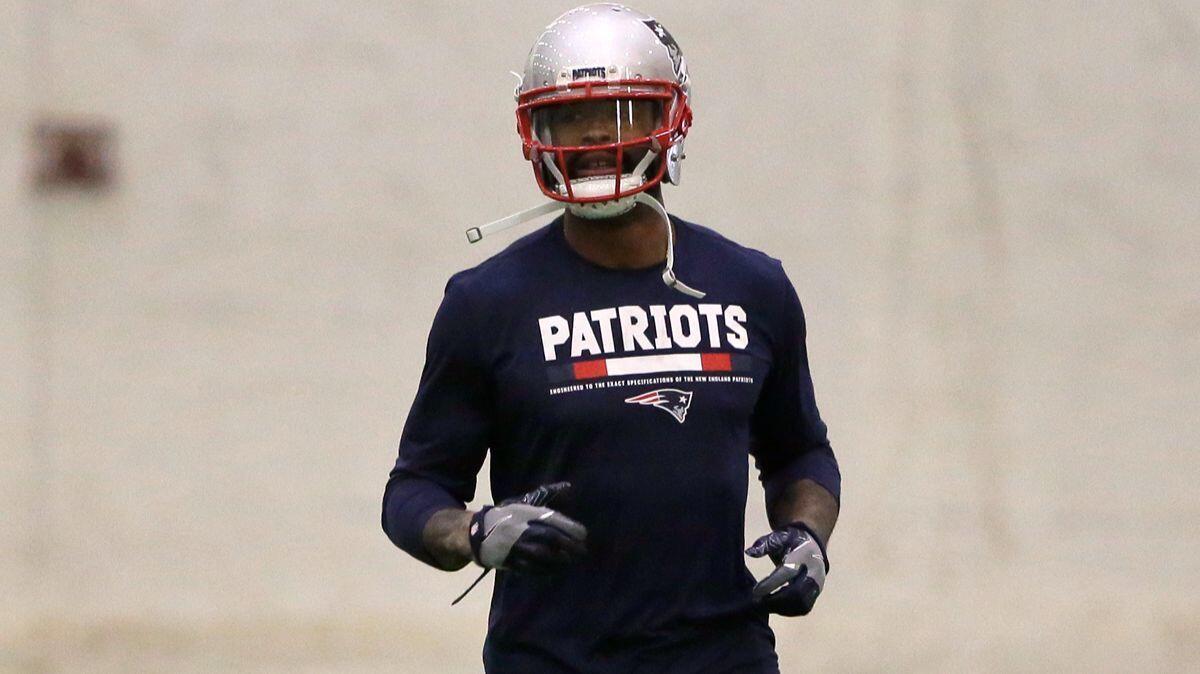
x=618 y=402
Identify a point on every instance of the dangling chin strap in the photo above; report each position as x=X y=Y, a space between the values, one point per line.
x=475 y=235
x=668 y=275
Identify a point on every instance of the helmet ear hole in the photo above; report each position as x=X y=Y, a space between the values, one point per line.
x=674 y=161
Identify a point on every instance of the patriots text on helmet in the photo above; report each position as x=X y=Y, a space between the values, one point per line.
x=635 y=328
x=594 y=71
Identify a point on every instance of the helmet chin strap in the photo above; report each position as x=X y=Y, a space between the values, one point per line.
x=598 y=186
x=668 y=275
x=475 y=234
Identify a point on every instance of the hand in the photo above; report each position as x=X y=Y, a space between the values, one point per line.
x=793 y=587
x=523 y=535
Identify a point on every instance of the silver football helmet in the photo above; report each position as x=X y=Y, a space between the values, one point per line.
x=603 y=108
x=594 y=58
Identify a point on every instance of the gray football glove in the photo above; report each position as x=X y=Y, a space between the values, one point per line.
x=793 y=587
x=523 y=535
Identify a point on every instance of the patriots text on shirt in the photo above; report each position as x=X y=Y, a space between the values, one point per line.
x=635 y=328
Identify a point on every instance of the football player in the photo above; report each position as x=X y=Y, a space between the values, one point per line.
x=619 y=402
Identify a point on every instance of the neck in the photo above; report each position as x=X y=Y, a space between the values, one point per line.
x=634 y=240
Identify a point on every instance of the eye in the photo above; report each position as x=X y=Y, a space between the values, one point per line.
x=565 y=115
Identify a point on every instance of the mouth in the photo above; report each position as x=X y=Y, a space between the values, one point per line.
x=592 y=164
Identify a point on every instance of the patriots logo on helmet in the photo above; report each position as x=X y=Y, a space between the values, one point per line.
x=668 y=42
x=670 y=400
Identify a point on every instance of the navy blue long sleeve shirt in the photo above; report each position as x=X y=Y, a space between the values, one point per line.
x=648 y=401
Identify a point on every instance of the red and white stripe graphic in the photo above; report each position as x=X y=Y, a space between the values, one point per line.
x=671 y=362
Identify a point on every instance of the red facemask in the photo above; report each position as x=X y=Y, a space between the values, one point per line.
x=578 y=135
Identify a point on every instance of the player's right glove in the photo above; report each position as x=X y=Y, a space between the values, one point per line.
x=525 y=536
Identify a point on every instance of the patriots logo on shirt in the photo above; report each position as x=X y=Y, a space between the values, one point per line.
x=670 y=400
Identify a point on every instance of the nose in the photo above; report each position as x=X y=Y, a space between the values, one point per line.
x=598 y=131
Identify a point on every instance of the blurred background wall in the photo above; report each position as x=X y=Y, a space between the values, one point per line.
x=989 y=208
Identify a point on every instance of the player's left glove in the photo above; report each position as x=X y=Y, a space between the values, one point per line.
x=793 y=587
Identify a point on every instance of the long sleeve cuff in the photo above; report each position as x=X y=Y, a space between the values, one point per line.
x=408 y=503
x=818 y=465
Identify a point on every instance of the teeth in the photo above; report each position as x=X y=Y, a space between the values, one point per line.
x=597 y=163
